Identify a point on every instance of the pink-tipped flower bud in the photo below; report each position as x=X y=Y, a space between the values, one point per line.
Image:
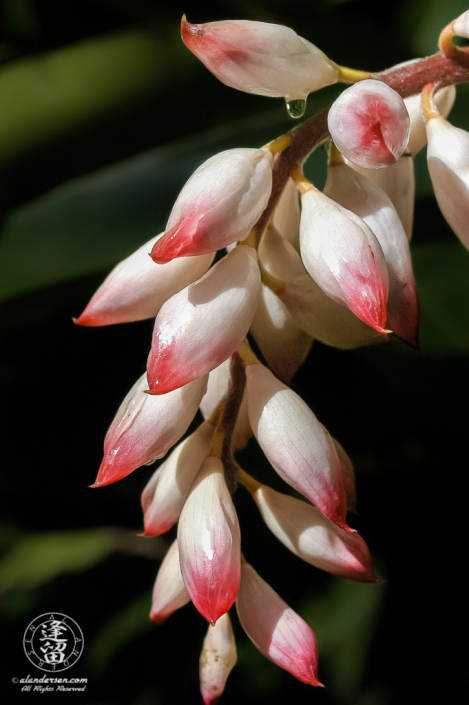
x=201 y=326
x=295 y=443
x=448 y=164
x=282 y=343
x=169 y=593
x=369 y=124
x=365 y=199
x=461 y=25
x=344 y=257
x=219 y=205
x=217 y=659
x=257 y=57
x=275 y=629
x=145 y=428
x=137 y=288
x=444 y=101
x=210 y=543
x=398 y=183
x=163 y=497
x=304 y=530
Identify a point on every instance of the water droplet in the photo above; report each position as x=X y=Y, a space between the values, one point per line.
x=296 y=108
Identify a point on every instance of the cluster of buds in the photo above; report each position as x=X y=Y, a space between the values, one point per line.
x=336 y=267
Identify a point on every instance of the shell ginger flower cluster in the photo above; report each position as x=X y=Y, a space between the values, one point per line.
x=294 y=264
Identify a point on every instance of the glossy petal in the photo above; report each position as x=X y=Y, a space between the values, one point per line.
x=369 y=124
x=461 y=25
x=257 y=57
x=286 y=218
x=344 y=257
x=369 y=202
x=217 y=659
x=146 y=427
x=169 y=593
x=282 y=343
x=322 y=318
x=295 y=443
x=137 y=287
x=202 y=325
x=348 y=475
x=163 y=497
x=448 y=164
x=305 y=531
x=209 y=543
x=444 y=101
x=275 y=629
x=219 y=205
x=398 y=183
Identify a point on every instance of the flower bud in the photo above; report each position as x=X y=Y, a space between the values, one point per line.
x=461 y=25
x=217 y=387
x=365 y=199
x=348 y=475
x=398 y=183
x=163 y=497
x=209 y=543
x=137 y=287
x=282 y=343
x=169 y=593
x=286 y=218
x=448 y=164
x=344 y=257
x=444 y=101
x=275 y=629
x=201 y=326
x=295 y=443
x=304 y=530
x=219 y=205
x=322 y=318
x=369 y=124
x=145 y=427
x=257 y=57
x=217 y=659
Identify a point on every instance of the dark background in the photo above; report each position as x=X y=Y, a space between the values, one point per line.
x=103 y=116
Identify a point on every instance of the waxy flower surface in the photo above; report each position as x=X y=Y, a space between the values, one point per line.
x=219 y=204
x=262 y=58
x=209 y=543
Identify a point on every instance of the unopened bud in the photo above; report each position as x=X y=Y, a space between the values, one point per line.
x=369 y=124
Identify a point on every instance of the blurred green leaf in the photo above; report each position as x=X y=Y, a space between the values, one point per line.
x=431 y=17
x=90 y=224
x=344 y=621
x=122 y=628
x=37 y=559
x=50 y=94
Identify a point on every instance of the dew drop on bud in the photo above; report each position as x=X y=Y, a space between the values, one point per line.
x=296 y=108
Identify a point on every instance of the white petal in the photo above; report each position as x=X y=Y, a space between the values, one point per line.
x=169 y=593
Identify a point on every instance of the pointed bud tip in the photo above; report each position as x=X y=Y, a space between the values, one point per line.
x=158 y=617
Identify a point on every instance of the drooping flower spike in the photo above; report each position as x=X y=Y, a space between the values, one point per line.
x=217 y=659
x=369 y=124
x=275 y=629
x=219 y=204
x=342 y=255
